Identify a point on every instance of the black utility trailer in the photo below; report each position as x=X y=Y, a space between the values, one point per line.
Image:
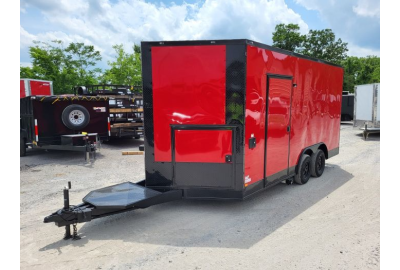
x=126 y=107
x=72 y=123
x=347 y=113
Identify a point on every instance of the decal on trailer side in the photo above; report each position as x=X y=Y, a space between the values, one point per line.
x=99 y=109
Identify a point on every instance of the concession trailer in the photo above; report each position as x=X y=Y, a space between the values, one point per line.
x=224 y=119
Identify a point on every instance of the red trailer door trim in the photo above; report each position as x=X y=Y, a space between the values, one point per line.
x=276 y=166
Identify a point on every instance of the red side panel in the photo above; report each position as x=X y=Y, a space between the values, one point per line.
x=188 y=88
x=316 y=106
x=39 y=88
x=279 y=96
x=22 y=89
x=209 y=146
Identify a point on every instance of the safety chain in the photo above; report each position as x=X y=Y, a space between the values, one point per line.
x=75 y=233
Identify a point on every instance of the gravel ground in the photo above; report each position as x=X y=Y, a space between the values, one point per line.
x=332 y=222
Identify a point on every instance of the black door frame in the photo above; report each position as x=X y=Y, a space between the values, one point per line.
x=279 y=175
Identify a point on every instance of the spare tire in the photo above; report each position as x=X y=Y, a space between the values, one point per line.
x=75 y=117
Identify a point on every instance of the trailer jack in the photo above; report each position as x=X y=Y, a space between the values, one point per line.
x=108 y=201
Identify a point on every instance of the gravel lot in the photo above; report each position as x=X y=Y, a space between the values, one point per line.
x=332 y=222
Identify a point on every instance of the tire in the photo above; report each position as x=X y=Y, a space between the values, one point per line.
x=318 y=163
x=137 y=137
x=22 y=147
x=304 y=171
x=75 y=117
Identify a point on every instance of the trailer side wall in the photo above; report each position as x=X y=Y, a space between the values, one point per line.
x=314 y=115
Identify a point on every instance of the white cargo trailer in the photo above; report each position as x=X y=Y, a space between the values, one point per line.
x=367 y=107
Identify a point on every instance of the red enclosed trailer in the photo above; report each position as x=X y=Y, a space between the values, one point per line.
x=33 y=87
x=224 y=119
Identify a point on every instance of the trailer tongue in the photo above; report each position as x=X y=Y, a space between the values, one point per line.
x=108 y=201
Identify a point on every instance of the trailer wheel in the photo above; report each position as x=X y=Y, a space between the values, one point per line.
x=75 y=117
x=317 y=163
x=304 y=172
x=22 y=148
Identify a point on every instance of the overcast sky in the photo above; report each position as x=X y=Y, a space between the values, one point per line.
x=104 y=23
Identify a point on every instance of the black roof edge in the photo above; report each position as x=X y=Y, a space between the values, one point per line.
x=235 y=41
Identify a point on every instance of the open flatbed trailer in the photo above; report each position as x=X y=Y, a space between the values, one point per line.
x=224 y=119
x=126 y=107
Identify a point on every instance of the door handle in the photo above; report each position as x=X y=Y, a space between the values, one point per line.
x=288 y=129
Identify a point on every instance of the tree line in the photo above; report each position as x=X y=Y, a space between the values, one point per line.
x=322 y=44
x=76 y=64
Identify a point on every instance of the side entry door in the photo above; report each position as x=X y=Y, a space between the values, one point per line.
x=277 y=135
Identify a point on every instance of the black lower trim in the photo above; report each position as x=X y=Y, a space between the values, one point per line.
x=212 y=194
x=253 y=189
x=270 y=181
x=279 y=175
x=333 y=152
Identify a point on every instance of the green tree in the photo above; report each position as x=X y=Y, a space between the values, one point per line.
x=27 y=72
x=81 y=57
x=126 y=69
x=66 y=67
x=360 y=70
x=288 y=37
x=322 y=44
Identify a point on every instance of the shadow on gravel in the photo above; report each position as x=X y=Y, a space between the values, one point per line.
x=226 y=224
x=122 y=143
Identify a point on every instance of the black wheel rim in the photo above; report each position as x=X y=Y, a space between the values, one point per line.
x=319 y=163
x=306 y=170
